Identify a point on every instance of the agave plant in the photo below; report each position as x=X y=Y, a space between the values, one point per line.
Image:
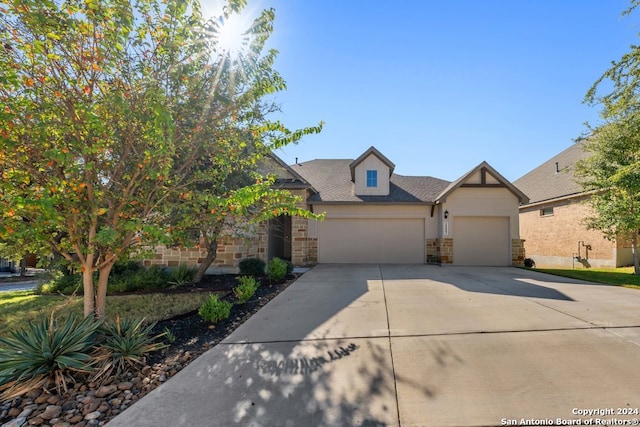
x=125 y=344
x=46 y=353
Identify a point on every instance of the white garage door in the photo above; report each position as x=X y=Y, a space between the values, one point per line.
x=481 y=241
x=393 y=241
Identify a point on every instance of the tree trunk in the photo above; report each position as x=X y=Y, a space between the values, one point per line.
x=23 y=266
x=212 y=253
x=634 y=250
x=87 y=286
x=101 y=294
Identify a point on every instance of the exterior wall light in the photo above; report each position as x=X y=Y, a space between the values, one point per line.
x=446 y=214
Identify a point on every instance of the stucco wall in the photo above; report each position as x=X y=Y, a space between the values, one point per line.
x=483 y=201
x=553 y=241
x=372 y=162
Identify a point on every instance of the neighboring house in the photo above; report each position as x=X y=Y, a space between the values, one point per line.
x=7 y=266
x=552 y=223
x=376 y=216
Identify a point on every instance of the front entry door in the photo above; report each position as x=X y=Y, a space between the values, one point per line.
x=280 y=237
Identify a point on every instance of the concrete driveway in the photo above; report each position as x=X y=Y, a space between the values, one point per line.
x=415 y=345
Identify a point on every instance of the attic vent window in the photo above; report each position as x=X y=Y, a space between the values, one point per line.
x=372 y=178
x=546 y=212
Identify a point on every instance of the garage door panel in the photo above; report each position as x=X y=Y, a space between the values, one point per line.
x=481 y=241
x=371 y=241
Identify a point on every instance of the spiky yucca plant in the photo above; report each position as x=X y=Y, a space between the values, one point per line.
x=125 y=344
x=46 y=353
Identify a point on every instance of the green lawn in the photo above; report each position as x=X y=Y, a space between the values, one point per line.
x=18 y=308
x=614 y=276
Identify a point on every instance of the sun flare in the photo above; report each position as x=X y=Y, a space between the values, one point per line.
x=231 y=35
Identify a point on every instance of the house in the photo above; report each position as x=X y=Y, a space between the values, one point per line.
x=373 y=215
x=552 y=223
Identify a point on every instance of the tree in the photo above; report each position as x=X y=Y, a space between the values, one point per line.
x=110 y=111
x=237 y=197
x=612 y=170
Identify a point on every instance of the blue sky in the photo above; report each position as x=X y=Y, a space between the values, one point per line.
x=439 y=86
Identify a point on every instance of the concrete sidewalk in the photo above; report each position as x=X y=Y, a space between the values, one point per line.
x=415 y=345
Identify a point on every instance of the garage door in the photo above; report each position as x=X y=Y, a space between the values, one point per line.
x=481 y=241
x=392 y=241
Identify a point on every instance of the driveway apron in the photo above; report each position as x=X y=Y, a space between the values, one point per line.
x=415 y=345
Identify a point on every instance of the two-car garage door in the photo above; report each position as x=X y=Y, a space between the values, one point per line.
x=392 y=241
x=477 y=241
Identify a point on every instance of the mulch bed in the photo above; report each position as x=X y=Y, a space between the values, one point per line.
x=95 y=404
x=192 y=332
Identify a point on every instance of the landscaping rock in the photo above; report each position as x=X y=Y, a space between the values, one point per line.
x=125 y=386
x=16 y=422
x=93 y=415
x=106 y=390
x=52 y=411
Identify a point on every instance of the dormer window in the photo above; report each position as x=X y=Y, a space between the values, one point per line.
x=372 y=178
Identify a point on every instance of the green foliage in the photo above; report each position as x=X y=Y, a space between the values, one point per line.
x=127 y=267
x=127 y=277
x=169 y=335
x=621 y=276
x=290 y=267
x=136 y=119
x=246 y=289
x=277 y=269
x=182 y=275
x=61 y=284
x=124 y=346
x=612 y=171
x=253 y=266
x=45 y=353
x=213 y=310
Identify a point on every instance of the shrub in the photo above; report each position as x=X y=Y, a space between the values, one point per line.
x=45 y=353
x=290 y=267
x=252 y=266
x=124 y=346
x=126 y=267
x=276 y=269
x=62 y=284
x=528 y=262
x=245 y=289
x=126 y=276
x=182 y=275
x=213 y=310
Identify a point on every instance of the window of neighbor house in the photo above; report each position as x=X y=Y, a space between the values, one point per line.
x=372 y=178
x=546 y=212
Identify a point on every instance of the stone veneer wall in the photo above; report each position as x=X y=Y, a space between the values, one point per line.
x=440 y=251
x=433 y=251
x=446 y=251
x=230 y=252
x=304 y=250
x=517 y=252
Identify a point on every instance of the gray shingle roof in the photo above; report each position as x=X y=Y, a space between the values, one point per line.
x=286 y=177
x=331 y=179
x=544 y=183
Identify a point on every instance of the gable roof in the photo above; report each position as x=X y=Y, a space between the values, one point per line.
x=286 y=177
x=554 y=178
x=372 y=150
x=483 y=167
x=331 y=178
